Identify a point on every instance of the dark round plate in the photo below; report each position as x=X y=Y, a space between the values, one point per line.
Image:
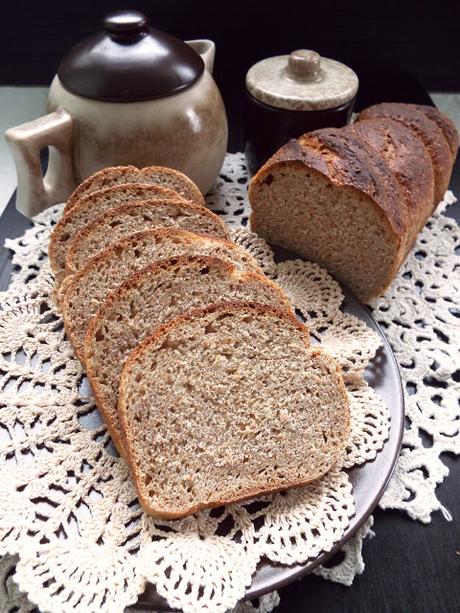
x=369 y=480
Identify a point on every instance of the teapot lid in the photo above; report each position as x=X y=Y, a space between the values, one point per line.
x=129 y=62
x=302 y=81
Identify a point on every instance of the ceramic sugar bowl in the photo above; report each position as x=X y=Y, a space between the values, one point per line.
x=289 y=95
x=128 y=95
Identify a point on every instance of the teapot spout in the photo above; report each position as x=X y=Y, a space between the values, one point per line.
x=206 y=49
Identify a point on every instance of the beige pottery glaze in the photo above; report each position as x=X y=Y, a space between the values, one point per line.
x=186 y=131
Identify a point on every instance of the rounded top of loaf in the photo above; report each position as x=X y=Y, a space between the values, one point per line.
x=428 y=130
x=405 y=154
x=346 y=160
x=446 y=125
x=155 y=175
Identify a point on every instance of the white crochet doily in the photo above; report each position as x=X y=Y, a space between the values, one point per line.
x=68 y=509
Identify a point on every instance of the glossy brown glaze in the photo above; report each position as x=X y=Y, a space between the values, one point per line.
x=129 y=62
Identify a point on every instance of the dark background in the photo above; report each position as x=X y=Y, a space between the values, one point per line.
x=372 y=36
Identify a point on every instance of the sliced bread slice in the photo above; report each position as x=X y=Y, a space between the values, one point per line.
x=91 y=206
x=430 y=133
x=84 y=292
x=151 y=297
x=127 y=219
x=332 y=199
x=228 y=403
x=156 y=175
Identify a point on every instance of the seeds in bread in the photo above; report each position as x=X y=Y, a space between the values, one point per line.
x=84 y=292
x=227 y=403
x=156 y=175
x=429 y=132
x=90 y=207
x=151 y=297
x=127 y=219
x=331 y=198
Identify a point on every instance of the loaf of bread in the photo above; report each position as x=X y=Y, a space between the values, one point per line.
x=91 y=206
x=229 y=403
x=354 y=199
x=151 y=297
x=127 y=219
x=155 y=175
x=83 y=293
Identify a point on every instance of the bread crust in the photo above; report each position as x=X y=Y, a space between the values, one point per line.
x=345 y=160
x=151 y=270
x=115 y=212
x=101 y=179
x=114 y=175
x=154 y=234
x=163 y=330
x=429 y=132
x=92 y=201
x=409 y=160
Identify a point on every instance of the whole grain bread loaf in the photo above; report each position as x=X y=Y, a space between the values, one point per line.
x=227 y=403
x=331 y=198
x=91 y=206
x=83 y=293
x=410 y=162
x=428 y=130
x=156 y=175
x=129 y=218
x=151 y=297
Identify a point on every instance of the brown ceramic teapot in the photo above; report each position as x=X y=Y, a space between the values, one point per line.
x=128 y=95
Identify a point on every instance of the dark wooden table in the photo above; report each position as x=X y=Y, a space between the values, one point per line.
x=410 y=567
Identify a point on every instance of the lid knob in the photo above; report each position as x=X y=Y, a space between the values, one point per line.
x=125 y=25
x=304 y=65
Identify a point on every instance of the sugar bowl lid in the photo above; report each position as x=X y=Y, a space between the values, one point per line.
x=302 y=81
x=129 y=62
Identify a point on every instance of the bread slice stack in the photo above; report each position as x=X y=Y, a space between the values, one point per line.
x=354 y=199
x=204 y=377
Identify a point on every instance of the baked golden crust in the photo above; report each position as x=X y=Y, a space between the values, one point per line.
x=344 y=161
x=410 y=162
x=429 y=132
x=114 y=175
x=356 y=164
x=445 y=123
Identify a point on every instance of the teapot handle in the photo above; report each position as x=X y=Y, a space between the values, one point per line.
x=206 y=49
x=37 y=192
